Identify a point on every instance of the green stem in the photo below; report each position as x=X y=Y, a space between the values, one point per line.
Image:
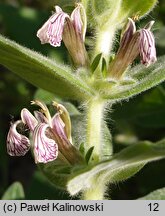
x=104 y=41
x=94 y=127
x=96 y=137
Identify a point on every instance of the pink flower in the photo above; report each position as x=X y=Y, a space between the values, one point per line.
x=147 y=46
x=71 y=29
x=48 y=134
x=45 y=149
x=17 y=144
x=51 y=31
x=133 y=43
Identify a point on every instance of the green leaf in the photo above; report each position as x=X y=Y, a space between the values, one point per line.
x=89 y=154
x=139 y=7
x=120 y=167
x=56 y=172
x=142 y=79
x=42 y=72
x=14 y=192
x=155 y=195
x=44 y=96
x=104 y=67
x=95 y=62
x=110 y=12
x=73 y=111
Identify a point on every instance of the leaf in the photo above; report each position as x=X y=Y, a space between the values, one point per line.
x=45 y=96
x=41 y=71
x=144 y=79
x=104 y=67
x=56 y=172
x=89 y=154
x=139 y=8
x=95 y=62
x=73 y=111
x=115 y=12
x=120 y=167
x=14 y=192
x=155 y=195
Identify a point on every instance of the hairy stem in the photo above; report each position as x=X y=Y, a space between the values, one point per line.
x=104 y=41
x=103 y=45
x=94 y=127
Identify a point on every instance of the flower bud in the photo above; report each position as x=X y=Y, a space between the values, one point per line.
x=74 y=35
x=127 y=33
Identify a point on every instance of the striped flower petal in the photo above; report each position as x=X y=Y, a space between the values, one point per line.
x=76 y=19
x=51 y=31
x=40 y=117
x=28 y=119
x=147 y=47
x=127 y=34
x=45 y=149
x=17 y=144
x=58 y=127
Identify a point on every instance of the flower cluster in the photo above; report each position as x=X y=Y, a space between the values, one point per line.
x=49 y=135
x=134 y=43
x=71 y=29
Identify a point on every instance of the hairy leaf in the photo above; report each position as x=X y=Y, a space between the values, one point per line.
x=56 y=172
x=141 y=79
x=41 y=71
x=120 y=167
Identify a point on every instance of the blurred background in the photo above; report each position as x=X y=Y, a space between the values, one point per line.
x=141 y=118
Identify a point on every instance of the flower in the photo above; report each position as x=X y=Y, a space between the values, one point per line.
x=71 y=29
x=51 y=31
x=147 y=45
x=134 y=43
x=50 y=135
x=17 y=144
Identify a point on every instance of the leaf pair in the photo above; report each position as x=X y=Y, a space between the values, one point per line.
x=62 y=81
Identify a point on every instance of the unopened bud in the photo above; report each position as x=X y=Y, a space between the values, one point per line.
x=74 y=35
